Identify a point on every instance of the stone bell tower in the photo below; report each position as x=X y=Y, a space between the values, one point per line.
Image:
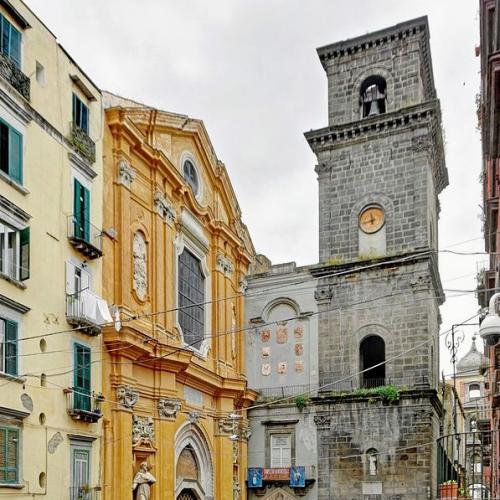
x=380 y=169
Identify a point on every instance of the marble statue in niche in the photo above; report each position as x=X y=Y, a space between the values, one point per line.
x=140 y=266
x=142 y=482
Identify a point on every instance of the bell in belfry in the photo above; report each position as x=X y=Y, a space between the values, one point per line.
x=374 y=109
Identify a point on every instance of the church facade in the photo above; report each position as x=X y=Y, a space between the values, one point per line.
x=376 y=289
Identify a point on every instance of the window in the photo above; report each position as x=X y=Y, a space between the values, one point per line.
x=80 y=114
x=80 y=473
x=474 y=391
x=11 y=152
x=191 y=298
x=372 y=353
x=8 y=347
x=9 y=455
x=14 y=252
x=281 y=450
x=82 y=393
x=191 y=176
x=10 y=41
x=81 y=212
x=373 y=96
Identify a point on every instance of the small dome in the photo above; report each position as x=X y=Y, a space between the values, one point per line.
x=471 y=363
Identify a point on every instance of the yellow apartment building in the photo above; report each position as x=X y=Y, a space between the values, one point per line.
x=174 y=372
x=50 y=266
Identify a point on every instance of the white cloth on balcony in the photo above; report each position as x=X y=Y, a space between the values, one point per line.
x=89 y=305
x=103 y=315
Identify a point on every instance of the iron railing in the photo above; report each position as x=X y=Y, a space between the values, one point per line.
x=14 y=76
x=84 y=236
x=345 y=386
x=83 y=405
x=81 y=313
x=82 y=142
x=464 y=465
x=84 y=493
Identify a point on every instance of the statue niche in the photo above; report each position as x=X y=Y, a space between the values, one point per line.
x=139 y=251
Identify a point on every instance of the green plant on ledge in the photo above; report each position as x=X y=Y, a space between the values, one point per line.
x=301 y=401
x=388 y=393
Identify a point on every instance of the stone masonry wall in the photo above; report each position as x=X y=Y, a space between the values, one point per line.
x=402 y=434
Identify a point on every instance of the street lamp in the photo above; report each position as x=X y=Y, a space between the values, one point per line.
x=452 y=343
x=490 y=327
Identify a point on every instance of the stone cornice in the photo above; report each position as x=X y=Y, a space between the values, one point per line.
x=12 y=304
x=422 y=115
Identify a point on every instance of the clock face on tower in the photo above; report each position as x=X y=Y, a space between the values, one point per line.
x=371 y=219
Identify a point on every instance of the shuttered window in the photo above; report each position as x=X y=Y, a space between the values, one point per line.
x=191 y=298
x=14 y=252
x=8 y=347
x=9 y=455
x=11 y=152
x=82 y=392
x=80 y=114
x=10 y=41
x=81 y=211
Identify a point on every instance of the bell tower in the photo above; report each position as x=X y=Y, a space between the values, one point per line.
x=380 y=166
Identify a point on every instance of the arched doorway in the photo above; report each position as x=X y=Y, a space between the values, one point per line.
x=193 y=464
x=371 y=354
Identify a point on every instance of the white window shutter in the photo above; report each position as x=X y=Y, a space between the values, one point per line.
x=86 y=280
x=70 y=278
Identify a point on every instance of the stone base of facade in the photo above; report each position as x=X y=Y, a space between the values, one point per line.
x=369 y=448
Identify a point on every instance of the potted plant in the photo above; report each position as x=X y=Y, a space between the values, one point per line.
x=449 y=489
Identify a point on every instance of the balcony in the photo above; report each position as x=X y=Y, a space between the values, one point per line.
x=82 y=405
x=464 y=461
x=85 y=237
x=82 y=143
x=87 y=312
x=10 y=72
x=84 y=492
x=259 y=479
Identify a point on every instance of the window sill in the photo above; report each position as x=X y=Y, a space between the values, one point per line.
x=12 y=280
x=13 y=183
x=13 y=378
x=14 y=486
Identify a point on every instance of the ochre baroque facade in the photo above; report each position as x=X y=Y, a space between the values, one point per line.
x=177 y=255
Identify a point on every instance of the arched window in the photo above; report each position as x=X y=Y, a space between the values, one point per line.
x=187 y=465
x=474 y=391
x=191 y=299
x=372 y=353
x=373 y=96
x=191 y=175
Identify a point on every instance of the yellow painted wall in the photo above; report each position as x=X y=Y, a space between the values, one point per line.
x=49 y=200
x=148 y=353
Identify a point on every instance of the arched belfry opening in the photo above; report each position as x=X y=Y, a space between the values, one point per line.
x=373 y=96
x=372 y=353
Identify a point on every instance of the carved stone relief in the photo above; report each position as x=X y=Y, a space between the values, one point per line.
x=126 y=174
x=143 y=431
x=140 y=266
x=54 y=442
x=193 y=417
x=281 y=334
x=224 y=265
x=322 y=420
x=226 y=425
x=169 y=407
x=127 y=396
x=163 y=207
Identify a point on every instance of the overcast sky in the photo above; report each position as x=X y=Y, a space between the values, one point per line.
x=249 y=69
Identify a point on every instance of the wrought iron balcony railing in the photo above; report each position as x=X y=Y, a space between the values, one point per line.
x=82 y=142
x=464 y=464
x=83 y=405
x=87 y=311
x=10 y=72
x=84 y=492
x=85 y=237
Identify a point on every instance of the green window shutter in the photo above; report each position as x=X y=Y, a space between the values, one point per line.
x=82 y=378
x=9 y=455
x=24 y=271
x=77 y=210
x=15 y=46
x=11 y=347
x=86 y=214
x=15 y=155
